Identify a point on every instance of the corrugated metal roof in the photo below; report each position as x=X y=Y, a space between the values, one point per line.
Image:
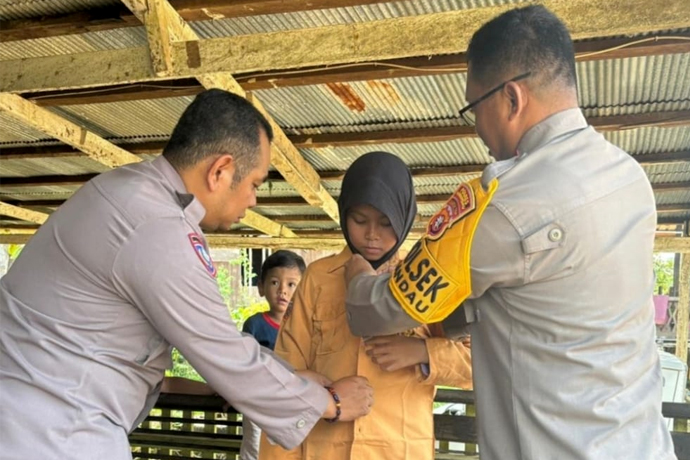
x=680 y=216
x=608 y=87
x=136 y=36
x=651 y=140
x=367 y=102
x=460 y=151
x=11 y=131
x=669 y=172
x=335 y=16
x=289 y=210
x=50 y=166
x=73 y=44
x=400 y=103
x=436 y=99
x=150 y=119
x=682 y=196
x=652 y=83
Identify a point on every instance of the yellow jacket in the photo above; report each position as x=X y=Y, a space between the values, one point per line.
x=315 y=335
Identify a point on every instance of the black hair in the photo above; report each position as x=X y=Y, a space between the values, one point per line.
x=529 y=39
x=281 y=259
x=218 y=122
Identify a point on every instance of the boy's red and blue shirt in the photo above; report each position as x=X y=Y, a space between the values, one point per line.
x=263 y=328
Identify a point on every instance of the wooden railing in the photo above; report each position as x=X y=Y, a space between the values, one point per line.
x=192 y=427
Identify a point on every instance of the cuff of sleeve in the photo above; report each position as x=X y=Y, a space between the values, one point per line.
x=426 y=371
x=298 y=427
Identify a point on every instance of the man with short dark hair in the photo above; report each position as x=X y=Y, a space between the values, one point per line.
x=549 y=254
x=121 y=272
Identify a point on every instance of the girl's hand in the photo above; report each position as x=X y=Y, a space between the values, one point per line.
x=394 y=352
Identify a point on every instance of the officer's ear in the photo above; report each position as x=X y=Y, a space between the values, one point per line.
x=220 y=173
x=518 y=98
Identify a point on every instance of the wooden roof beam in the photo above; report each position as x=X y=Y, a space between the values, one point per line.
x=274 y=176
x=371 y=41
x=21 y=236
x=677 y=207
x=117 y=17
x=400 y=136
x=22 y=213
x=165 y=27
x=291 y=202
x=406 y=67
x=95 y=147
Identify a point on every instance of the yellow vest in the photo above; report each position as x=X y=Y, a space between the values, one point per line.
x=434 y=279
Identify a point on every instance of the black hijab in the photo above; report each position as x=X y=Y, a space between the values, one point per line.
x=383 y=181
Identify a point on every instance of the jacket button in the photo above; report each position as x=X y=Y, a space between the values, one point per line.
x=301 y=423
x=555 y=234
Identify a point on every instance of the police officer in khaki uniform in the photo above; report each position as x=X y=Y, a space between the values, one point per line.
x=119 y=273
x=551 y=252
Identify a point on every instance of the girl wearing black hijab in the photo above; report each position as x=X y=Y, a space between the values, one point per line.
x=377 y=210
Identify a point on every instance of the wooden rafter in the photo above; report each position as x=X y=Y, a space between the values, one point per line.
x=406 y=67
x=400 y=136
x=22 y=213
x=95 y=147
x=164 y=26
x=18 y=236
x=274 y=176
x=672 y=244
x=291 y=201
x=425 y=35
x=116 y=17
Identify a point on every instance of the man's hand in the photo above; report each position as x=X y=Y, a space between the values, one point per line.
x=356 y=266
x=394 y=352
x=314 y=376
x=356 y=398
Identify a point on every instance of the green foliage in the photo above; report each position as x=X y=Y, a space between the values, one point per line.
x=240 y=305
x=182 y=368
x=663 y=269
x=13 y=250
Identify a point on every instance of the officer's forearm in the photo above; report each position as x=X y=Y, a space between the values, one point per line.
x=372 y=309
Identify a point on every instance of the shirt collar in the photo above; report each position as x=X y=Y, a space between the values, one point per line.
x=544 y=132
x=550 y=128
x=339 y=261
x=193 y=209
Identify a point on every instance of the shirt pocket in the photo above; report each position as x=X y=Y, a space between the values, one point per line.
x=331 y=331
x=548 y=254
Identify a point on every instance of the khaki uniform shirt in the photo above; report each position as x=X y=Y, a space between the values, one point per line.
x=564 y=360
x=400 y=425
x=91 y=308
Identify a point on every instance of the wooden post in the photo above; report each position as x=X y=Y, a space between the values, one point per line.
x=683 y=309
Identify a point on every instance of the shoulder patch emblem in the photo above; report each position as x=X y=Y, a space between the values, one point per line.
x=199 y=246
x=460 y=204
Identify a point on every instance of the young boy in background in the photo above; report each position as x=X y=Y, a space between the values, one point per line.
x=280 y=274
